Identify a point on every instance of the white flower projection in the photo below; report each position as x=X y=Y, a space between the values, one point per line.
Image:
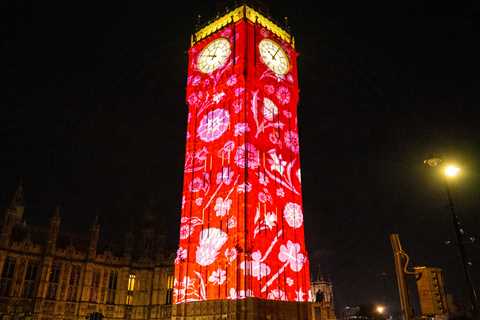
x=213 y=125
x=270 y=110
x=211 y=240
x=218 y=276
x=290 y=254
x=255 y=267
x=293 y=215
x=291 y=140
x=247 y=156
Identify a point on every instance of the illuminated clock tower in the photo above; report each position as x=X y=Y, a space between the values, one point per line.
x=241 y=230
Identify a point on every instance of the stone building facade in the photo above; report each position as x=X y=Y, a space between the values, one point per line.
x=323 y=303
x=47 y=275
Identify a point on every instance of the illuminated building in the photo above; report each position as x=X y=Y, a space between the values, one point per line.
x=241 y=231
x=431 y=292
x=323 y=304
x=47 y=274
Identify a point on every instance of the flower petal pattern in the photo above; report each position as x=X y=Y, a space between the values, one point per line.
x=293 y=215
x=213 y=125
x=210 y=242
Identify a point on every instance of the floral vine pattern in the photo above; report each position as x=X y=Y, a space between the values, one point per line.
x=241 y=227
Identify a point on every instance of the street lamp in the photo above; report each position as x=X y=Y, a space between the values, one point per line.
x=380 y=309
x=451 y=171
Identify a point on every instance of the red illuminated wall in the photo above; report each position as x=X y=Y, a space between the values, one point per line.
x=241 y=231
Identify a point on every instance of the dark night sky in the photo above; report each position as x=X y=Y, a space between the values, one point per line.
x=93 y=117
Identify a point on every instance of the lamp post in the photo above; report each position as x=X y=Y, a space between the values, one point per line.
x=452 y=171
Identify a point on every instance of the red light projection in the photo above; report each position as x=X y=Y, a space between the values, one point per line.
x=241 y=231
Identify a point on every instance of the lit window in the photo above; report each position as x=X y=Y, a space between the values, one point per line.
x=131 y=282
x=169 y=293
x=130 y=288
x=170 y=281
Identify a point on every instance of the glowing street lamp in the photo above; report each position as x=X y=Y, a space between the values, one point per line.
x=451 y=171
x=380 y=309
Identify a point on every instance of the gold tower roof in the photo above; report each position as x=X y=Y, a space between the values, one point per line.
x=237 y=14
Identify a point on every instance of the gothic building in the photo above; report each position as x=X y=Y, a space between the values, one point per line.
x=47 y=274
x=323 y=302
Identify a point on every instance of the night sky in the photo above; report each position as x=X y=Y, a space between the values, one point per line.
x=93 y=114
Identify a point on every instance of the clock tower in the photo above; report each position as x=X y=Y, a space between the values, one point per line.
x=242 y=251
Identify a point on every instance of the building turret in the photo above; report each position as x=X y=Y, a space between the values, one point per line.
x=13 y=215
x=53 y=231
x=94 y=236
x=148 y=230
x=322 y=296
x=129 y=241
x=17 y=205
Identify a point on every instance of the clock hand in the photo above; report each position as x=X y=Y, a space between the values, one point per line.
x=215 y=52
x=273 y=57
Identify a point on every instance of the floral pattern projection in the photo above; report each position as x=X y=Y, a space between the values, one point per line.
x=241 y=231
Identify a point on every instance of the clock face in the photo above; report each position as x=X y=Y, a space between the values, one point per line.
x=274 y=56
x=214 y=55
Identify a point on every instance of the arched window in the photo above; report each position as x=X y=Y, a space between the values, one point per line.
x=7 y=277
x=112 y=287
x=169 y=293
x=73 y=283
x=54 y=280
x=130 y=288
x=319 y=296
x=95 y=285
x=30 y=282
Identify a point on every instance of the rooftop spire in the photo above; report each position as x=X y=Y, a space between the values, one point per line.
x=56 y=212
x=319 y=273
x=17 y=207
x=53 y=231
x=17 y=199
x=95 y=220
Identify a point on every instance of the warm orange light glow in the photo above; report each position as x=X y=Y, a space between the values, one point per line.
x=451 y=170
x=380 y=309
x=131 y=282
x=170 y=281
